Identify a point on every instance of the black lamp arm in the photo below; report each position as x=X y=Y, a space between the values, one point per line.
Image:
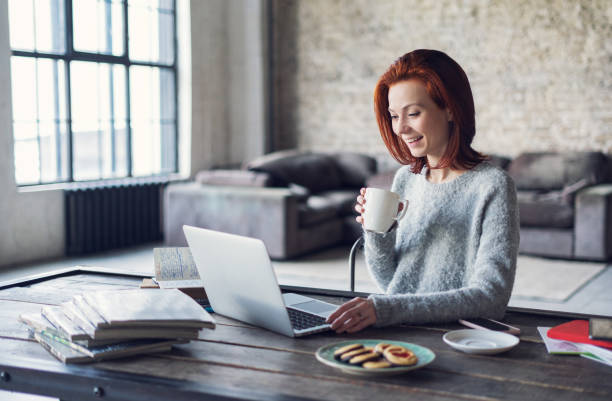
x=354 y=248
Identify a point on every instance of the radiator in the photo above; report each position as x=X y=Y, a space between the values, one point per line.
x=111 y=216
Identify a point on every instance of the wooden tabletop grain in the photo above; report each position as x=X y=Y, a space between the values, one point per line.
x=239 y=361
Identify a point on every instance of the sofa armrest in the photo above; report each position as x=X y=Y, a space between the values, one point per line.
x=265 y=213
x=234 y=178
x=593 y=223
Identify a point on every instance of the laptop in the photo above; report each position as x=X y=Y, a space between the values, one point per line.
x=240 y=283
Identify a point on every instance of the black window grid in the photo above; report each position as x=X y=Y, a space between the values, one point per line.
x=70 y=54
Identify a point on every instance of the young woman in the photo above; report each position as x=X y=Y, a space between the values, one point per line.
x=453 y=255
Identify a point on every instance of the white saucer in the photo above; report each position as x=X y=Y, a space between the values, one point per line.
x=474 y=341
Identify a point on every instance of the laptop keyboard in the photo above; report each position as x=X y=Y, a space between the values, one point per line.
x=303 y=320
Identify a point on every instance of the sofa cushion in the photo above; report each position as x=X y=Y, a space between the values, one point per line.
x=272 y=157
x=354 y=168
x=585 y=165
x=552 y=171
x=298 y=191
x=550 y=209
x=315 y=171
x=326 y=206
x=316 y=210
x=499 y=161
x=343 y=200
x=234 y=178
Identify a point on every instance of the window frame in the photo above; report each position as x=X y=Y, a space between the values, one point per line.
x=69 y=55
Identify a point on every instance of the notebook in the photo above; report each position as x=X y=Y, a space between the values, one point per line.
x=576 y=331
x=240 y=283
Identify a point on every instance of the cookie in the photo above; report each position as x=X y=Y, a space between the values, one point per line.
x=359 y=359
x=346 y=348
x=348 y=355
x=380 y=347
x=377 y=364
x=398 y=355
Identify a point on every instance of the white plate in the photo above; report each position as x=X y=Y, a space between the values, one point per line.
x=475 y=341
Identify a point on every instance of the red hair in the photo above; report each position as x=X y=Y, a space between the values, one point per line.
x=448 y=86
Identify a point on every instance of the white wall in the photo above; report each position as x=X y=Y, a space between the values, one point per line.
x=228 y=54
x=31 y=223
x=247 y=92
x=209 y=77
x=540 y=71
x=222 y=117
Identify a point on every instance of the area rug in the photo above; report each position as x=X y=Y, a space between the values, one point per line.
x=552 y=280
x=327 y=269
x=537 y=279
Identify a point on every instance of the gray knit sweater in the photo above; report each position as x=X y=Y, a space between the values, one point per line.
x=453 y=255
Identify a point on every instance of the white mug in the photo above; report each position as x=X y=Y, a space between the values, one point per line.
x=381 y=209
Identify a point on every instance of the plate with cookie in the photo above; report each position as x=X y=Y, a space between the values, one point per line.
x=375 y=357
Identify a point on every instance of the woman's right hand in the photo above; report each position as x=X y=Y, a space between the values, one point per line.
x=360 y=205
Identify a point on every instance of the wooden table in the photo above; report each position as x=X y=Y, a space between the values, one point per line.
x=238 y=361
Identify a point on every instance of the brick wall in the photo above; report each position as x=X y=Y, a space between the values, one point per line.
x=541 y=71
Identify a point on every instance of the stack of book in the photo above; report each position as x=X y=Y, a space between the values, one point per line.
x=113 y=324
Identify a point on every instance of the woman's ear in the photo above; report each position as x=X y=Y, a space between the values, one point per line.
x=449 y=116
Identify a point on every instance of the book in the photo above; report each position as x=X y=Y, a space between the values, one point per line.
x=37 y=322
x=175 y=268
x=147 y=307
x=141 y=332
x=55 y=341
x=597 y=353
x=73 y=313
x=149 y=283
x=89 y=313
x=116 y=350
x=105 y=336
x=198 y=294
x=68 y=352
x=56 y=315
x=563 y=347
x=600 y=328
x=576 y=331
x=61 y=351
x=558 y=346
x=113 y=324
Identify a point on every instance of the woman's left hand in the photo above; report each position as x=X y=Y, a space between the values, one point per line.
x=352 y=316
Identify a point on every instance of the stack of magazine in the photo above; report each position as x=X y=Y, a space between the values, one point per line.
x=112 y=324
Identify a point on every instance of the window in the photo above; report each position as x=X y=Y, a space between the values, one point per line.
x=93 y=89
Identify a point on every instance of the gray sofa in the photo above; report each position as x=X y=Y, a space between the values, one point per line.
x=565 y=204
x=296 y=202
x=301 y=202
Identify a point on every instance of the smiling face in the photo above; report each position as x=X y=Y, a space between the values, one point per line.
x=418 y=120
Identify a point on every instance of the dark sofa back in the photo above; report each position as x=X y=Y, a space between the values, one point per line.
x=553 y=171
x=316 y=171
